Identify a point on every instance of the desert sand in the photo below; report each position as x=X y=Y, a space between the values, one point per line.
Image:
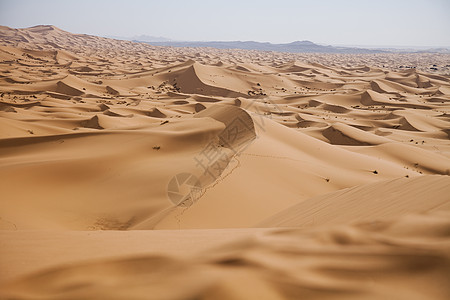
x=129 y=171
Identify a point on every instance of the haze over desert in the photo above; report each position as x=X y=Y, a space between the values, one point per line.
x=134 y=171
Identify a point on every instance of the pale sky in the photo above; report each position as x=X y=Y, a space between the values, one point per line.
x=346 y=22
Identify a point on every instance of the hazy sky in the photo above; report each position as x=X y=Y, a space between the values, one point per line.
x=350 y=22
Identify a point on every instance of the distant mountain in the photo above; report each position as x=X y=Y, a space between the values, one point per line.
x=294 y=47
x=141 y=38
x=436 y=50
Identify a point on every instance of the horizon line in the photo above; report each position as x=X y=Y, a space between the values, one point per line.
x=169 y=40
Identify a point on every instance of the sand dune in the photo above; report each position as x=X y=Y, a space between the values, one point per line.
x=103 y=143
x=267 y=264
x=391 y=199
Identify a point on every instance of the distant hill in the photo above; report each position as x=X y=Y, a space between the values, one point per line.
x=294 y=47
x=52 y=38
x=141 y=38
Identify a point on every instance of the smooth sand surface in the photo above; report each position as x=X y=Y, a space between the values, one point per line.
x=129 y=171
